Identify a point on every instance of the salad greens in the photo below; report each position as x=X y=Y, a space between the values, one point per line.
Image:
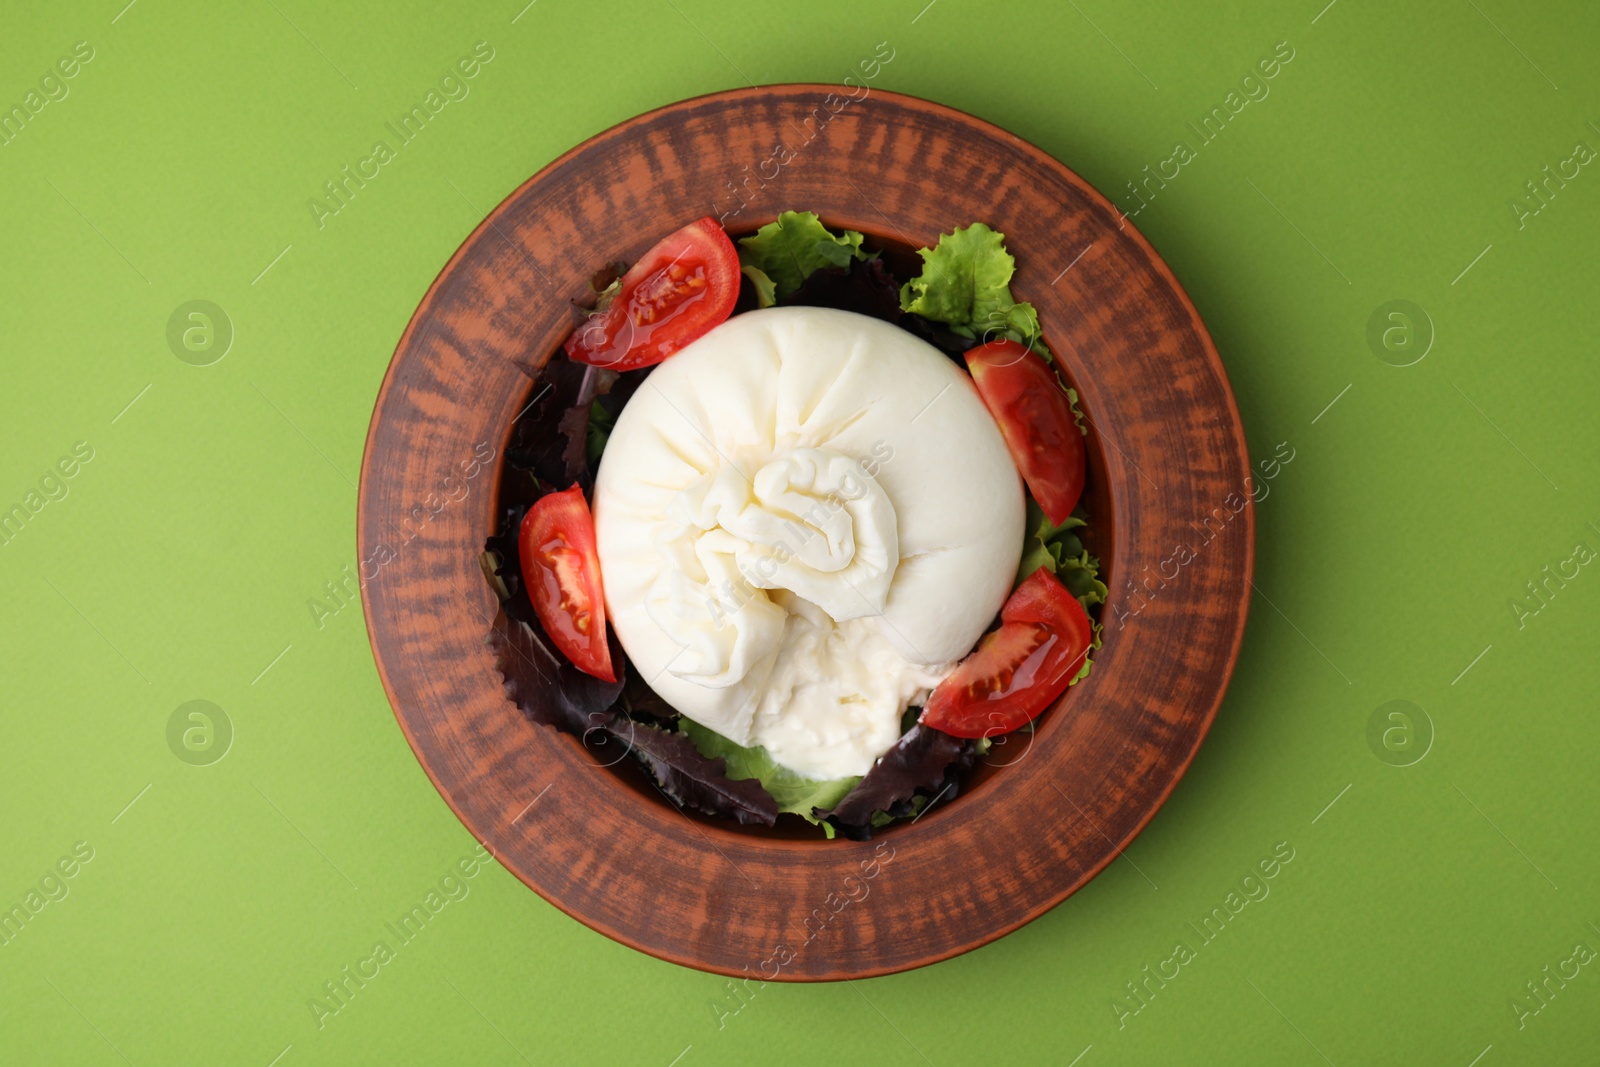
x=597 y=433
x=694 y=780
x=966 y=284
x=782 y=254
x=561 y=400
x=923 y=766
x=962 y=297
x=865 y=286
x=793 y=792
x=766 y=290
x=1061 y=551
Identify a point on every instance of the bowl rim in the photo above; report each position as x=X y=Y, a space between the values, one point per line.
x=1212 y=358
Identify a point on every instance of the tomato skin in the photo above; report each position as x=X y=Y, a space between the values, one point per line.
x=1023 y=394
x=1043 y=599
x=561 y=571
x=1018 y=670
x=687 y=283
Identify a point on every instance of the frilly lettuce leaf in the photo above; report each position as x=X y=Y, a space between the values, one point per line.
x=1060 y=550
x=793 y=792
x=925 y=763
x=966 y=284
x=787 y=251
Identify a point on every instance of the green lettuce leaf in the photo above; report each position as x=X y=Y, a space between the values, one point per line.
x=966 y=284
x=1072 y=402
x=793 y=792
x=1059 y=549
x=1088 y=660
x=766 y=291
x=789 y=250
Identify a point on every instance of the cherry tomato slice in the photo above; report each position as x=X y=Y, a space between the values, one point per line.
x=1023 y=394
x=1018 y=670
x=561 y=571
x=678 y=290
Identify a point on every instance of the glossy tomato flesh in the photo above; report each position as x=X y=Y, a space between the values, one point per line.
x=678 y=290
x=561 y=570
x=1023 y=394
x=1018 y=670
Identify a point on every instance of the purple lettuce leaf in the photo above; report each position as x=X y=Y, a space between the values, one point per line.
x=691 y=779
x=865 y=286
x=925 y=762
x=548 y=438
x=547 y=688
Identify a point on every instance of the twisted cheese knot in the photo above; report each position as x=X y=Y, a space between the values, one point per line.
x=812 y=522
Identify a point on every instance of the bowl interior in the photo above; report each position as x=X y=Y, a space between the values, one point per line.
x=1098 y=537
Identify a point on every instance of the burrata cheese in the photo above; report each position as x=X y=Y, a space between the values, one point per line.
x=804 y=519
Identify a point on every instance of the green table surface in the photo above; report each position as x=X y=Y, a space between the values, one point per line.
x=1438 y=910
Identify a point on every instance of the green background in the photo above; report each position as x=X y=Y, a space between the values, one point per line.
x=1391 y=550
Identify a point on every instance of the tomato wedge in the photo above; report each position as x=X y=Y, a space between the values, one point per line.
x=1023 y=394
x=677 y=291
x=561 y=571
x=1019 y=669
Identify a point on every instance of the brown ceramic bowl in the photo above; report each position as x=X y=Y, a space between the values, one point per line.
x=1168 y=468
